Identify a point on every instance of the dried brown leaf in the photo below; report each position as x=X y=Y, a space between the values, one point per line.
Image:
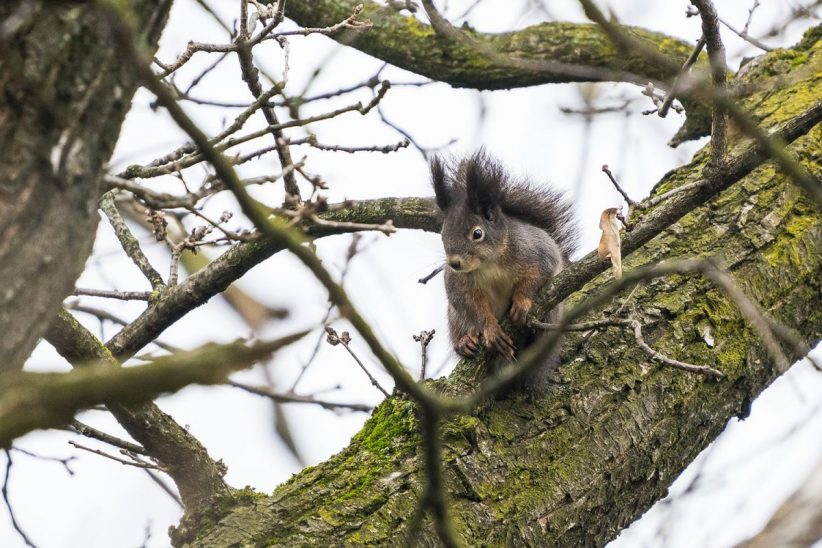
x=609 y=243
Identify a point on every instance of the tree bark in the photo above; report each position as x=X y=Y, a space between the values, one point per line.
x=64 y=97
x=408 y=43
x=575 y=465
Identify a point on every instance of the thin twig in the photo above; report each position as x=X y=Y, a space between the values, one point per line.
x=424 y=338
x=669 y=97
x=292 y=397
x=636 y=326
x=135 y=462
x=113 y=294
x=427 y=278
x=344 y=338
x=128 y=242
x=385 y=149
x=99 y=435
x=744 y=32
x=655 y=200
x=5 y=492
x=625 y=196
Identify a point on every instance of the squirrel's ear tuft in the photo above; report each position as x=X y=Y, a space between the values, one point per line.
x=483 y=184
x=441 y=190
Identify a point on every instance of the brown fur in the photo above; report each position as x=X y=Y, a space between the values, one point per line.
x=504 y=240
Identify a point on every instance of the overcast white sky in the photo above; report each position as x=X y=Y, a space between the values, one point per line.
x=741 y=478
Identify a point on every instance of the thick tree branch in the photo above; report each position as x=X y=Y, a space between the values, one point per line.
x=677 y=206
x=546 y=469
x=42 y=400
x=410 y=44
x=198 y=477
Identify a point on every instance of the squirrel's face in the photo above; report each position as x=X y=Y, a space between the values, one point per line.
x=472 y=240
x=474 y=230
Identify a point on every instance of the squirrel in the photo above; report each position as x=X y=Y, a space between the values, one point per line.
x=504 y=239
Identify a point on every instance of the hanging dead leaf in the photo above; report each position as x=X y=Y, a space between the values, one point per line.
x=609 y=243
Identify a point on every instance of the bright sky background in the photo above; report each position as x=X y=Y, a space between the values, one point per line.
x=742 y=477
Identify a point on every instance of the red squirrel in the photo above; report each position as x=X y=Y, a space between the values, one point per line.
x=504 y=239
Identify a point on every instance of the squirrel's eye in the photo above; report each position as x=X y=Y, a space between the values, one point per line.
x=478 y=234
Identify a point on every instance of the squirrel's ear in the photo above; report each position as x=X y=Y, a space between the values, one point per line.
x=483 y=185
x=441 y=190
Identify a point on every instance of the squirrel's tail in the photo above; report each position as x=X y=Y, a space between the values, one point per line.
x=544 y=207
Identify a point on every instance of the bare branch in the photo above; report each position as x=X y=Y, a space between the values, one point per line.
x=134 y=462
x=273 y=230
x=5 y=492
x=669 y=97
x=113 y=294
x=291 y=397
x=424 y=338
x=624 y=194
x=127 y=240
x=42 y=400
x=719 y=68
x=90 y=432
x=344 y=338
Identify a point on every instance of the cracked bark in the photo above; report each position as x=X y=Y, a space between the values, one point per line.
x=64 y=96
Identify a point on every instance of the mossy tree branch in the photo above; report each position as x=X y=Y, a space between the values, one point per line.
x=577 y=464
x=406 y=42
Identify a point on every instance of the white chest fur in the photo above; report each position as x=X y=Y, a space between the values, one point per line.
x=498 y=286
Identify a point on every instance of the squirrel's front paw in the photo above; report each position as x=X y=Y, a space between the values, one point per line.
x=519 y=311
x=468 y=345
x=497 y=340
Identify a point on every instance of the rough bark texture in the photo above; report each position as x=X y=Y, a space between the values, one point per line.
x=579 y=463
x=63 y=96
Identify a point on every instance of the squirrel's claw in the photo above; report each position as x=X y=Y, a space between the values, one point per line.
x=519 y=312
x=497 y=340
x=468 y=345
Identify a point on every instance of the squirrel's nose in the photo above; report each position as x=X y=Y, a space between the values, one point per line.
x=454 y=262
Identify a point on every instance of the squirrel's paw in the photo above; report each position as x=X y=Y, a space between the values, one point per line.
x=519 y=311
x=468 y=345
x=497 y=340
